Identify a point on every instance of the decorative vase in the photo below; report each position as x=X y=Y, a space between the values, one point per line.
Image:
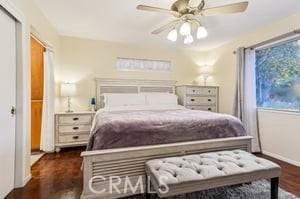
x=93 y=104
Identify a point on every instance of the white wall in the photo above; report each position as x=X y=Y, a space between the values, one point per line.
x=82 y=60
x=280 y=134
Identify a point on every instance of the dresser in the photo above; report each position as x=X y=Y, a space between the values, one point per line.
x=72 y=129
x=204 y=98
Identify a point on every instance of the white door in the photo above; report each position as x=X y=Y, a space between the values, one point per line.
x=7 y=101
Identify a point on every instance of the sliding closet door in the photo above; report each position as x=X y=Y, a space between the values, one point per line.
x=8 y=101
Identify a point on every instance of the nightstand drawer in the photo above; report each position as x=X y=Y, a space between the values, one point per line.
x=73 y=138
x=201 y=91
x=75 y=119
x=203 y=108
x=74 y=128
x=200 y=100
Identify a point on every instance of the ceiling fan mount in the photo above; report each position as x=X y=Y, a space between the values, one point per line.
x=183 y=7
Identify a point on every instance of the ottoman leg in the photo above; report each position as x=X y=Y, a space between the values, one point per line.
x=274 y=188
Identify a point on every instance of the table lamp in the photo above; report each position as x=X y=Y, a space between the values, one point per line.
x=68 y=90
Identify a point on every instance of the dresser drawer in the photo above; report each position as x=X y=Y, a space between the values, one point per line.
x=73 y=138
x=74 y=128
x=203 y=108
x=75 y=119
x=200 y=100
x=201 y=91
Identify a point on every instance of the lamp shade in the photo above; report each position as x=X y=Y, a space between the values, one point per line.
x=68 y=89
x=172 y=36
x=188 y=39
x=185 y=29
x=201 y=32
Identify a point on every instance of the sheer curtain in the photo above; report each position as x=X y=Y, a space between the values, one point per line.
x=245 y=100
x=47 y=132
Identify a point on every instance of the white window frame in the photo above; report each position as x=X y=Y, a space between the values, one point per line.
x=131 y=64
x=274 y=44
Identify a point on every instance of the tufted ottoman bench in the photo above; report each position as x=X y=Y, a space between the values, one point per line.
x=191 y=173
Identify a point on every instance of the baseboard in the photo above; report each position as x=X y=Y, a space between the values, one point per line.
x=279 y=157
x=23 y=181
x=26 y=180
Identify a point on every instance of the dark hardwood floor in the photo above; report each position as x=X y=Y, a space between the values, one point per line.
x=59 y=176
x=54 y=176
x=290 y=176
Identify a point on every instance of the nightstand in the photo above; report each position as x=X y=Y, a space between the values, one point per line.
x=205 y=98
x=72 y=129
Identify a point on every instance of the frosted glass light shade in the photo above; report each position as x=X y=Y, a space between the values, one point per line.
x=188 y=39
x=68 y=89
x=185 y=29
x=201 y=32
x=172 y=36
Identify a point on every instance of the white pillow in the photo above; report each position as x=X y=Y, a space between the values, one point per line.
x=124 y=99
x=161 y=99
x=142 y=107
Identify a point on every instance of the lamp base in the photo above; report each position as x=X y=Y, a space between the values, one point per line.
x=69 y=106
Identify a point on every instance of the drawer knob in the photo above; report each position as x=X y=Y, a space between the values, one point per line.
x=209 y=109
x=209 y=91
x=75 y=128
x=75 y=137
x=194 y=91
x=192 y=100
x=75 y=118
x=209 y=100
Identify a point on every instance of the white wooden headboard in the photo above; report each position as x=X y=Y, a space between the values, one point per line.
x=104 y=85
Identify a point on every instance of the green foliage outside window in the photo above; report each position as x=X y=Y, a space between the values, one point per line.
x=278 y=76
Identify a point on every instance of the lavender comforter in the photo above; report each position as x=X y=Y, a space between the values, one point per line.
x=149 y=127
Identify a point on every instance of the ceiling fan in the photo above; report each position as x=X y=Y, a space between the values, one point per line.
x=187 y=13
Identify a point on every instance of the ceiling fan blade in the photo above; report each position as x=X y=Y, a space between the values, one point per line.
x=168 y=26
x=156 y=9
x=227 y=9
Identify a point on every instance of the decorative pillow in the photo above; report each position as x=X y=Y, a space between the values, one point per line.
x=161 y=99
x=124 y=99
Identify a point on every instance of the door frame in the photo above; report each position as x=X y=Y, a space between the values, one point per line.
x=22 y=154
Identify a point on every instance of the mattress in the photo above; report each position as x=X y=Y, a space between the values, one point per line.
x=140 y=126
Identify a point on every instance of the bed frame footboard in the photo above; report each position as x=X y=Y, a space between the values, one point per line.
x=116 y=173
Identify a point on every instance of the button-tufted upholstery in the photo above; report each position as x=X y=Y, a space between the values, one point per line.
x=216 y=168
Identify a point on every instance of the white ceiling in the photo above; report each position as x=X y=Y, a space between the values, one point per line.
x=119 y=21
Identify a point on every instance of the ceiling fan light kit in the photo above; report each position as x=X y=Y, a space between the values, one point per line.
x=201 y=32
x=187 y=12
x=188 y=39
x=172 y=36
x=185 y=29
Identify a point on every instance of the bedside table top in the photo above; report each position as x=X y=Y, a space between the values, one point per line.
x=191 y=85
x=75 y=112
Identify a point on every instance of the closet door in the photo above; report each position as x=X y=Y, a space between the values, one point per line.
x=8 y=101
x=37 y=89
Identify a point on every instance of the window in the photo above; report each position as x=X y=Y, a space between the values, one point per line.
x=278 y=76
x=126 y=64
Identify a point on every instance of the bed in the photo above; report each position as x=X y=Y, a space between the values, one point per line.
x=123 y=138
